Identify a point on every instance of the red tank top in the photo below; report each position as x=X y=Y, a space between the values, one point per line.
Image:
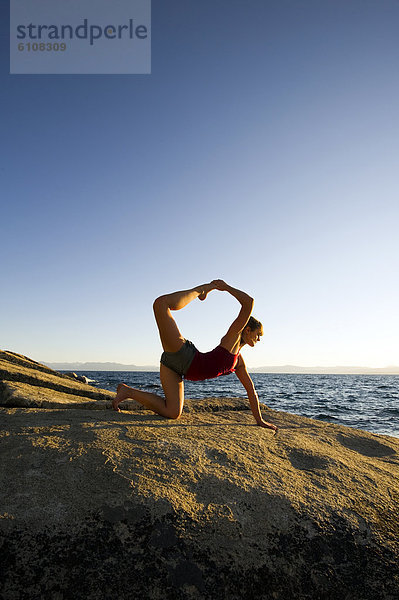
x=207 y=365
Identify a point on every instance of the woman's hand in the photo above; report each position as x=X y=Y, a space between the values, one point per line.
x=216 y=284
x=242 y=297
x=219 y=284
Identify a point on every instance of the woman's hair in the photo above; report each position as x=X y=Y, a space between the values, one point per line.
x=253 y=324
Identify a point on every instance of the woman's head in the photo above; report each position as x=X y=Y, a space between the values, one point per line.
x=252 y=332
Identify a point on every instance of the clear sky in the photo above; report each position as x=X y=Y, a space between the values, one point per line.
x=263 y=149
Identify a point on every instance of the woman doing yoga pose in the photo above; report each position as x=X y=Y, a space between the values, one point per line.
x=181 y=359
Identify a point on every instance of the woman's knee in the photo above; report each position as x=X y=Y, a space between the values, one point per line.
x=173 y=388
x=174 y=414
x=160 y=304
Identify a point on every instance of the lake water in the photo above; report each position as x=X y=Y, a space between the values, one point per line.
x=369 y=402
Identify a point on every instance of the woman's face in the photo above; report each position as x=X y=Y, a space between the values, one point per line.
x=252 y=337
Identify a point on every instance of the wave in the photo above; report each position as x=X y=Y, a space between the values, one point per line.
x=151 y=386
x=390 y=411
x=384 y=387
x=324 y=417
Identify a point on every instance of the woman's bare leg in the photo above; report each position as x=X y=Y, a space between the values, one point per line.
x=178 y=300
x=170 y=406
x=171 y=338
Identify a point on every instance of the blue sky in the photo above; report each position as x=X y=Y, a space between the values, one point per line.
x=263 y=149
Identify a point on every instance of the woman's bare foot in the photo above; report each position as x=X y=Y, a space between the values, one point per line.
x=122 y=392
x=208 y=287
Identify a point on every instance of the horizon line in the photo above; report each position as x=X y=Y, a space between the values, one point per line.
x=65 y=365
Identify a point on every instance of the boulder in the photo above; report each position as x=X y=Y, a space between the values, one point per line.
x=99 y=505
x=25 y=382
x=81 y=378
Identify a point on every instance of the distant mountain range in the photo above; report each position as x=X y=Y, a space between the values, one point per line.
x=98 y=366
x=111 y=366
x=391 y=370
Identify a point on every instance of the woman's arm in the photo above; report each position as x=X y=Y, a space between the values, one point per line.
x=244 y=377
x=232 y=337
x=243 y=298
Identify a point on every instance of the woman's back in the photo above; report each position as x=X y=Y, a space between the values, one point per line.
x=207 y=365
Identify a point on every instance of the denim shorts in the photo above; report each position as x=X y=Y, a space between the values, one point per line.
x=181 y=360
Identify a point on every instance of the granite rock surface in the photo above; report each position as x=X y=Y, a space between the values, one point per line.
x=97 y=504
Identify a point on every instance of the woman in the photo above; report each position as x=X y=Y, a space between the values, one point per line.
x=181 y=358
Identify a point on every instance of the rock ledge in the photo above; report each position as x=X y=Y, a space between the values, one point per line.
x=130 y=505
